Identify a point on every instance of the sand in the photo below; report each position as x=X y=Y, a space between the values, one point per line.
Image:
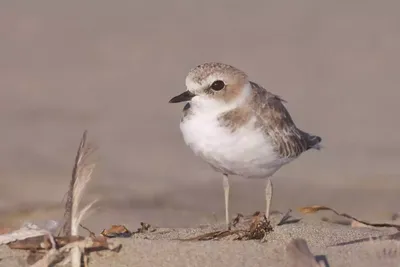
x=163 y=247
x=111 y=67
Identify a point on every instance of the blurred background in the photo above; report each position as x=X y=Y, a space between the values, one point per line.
x=111 y=66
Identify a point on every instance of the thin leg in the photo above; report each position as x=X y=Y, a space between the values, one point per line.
x=268 y=197
x=226 y=194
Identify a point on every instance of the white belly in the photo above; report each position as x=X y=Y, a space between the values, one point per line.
x=246 y=152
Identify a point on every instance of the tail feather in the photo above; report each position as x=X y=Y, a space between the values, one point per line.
x=313 y=141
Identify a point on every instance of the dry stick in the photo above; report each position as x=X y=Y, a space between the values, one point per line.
x=216 y=235
x=53 y=256
x=285 y=218
x=314 y=209
x=91 y=234
x=70 y=195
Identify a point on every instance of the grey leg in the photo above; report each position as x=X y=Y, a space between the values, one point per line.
x=268 y=197
x=226 y=194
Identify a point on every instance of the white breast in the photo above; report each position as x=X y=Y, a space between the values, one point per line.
x=246 y=152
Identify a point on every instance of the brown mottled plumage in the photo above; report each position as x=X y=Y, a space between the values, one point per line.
x=277 y=123
x=201 y=72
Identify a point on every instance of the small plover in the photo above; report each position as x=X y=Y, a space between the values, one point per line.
x=237 y=126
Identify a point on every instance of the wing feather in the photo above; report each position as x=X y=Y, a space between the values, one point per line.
x=276 y=122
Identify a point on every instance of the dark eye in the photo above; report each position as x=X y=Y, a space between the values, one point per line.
x=217 y=85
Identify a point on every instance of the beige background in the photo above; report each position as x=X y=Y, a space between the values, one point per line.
x=111 y=67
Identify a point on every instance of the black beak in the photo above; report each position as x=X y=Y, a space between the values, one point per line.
x=185 y=96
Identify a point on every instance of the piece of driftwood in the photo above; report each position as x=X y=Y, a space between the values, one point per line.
x=84 y=246
x=44 y=243
x=43 y=251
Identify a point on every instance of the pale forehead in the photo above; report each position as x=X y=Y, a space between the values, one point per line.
x=214 y=70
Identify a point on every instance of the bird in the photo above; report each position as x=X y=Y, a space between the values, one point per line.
x=238 y=127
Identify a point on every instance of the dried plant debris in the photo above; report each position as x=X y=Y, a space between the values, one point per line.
x=260 y=226
x=39 y=246
x=236 y=220
x=288 y=219
x=46 y=249
x=35 y=256
x=395 y=216
x=145 y=228
x=91 y=234
x=258 y=229
x=215 y=235
x=43 y=242
x=301 y=256
x=26 y=231
x=314 y=209
x=84 y=246
x=116 y=231
x=122 y=231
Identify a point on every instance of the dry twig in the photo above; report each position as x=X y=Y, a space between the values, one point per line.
x=236 y=220
x=91 y=234
x=314 y=209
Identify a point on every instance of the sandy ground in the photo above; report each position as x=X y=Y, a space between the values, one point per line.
x=164 y=247
x=112 y=67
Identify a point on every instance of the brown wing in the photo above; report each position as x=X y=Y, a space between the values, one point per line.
x=277 y=123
